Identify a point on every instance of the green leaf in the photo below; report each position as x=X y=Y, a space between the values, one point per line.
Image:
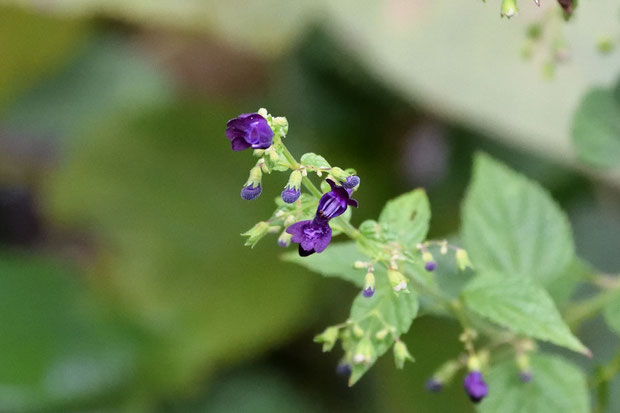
x=335 y=261
x=522 y=306
x=513 y=226
x=596 y=128
x=311 y=159
x=406 y=218
x=385 y=309
x=612 y=315
x=557 y=387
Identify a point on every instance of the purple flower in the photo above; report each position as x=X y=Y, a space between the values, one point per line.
x=351 y=182
x=290 y=195
x=249 y=192
x=430 y=266
x=368 y=292
x=475 y=386
x=525 y=376
x=312 y=236
x=249 y=130
x=434 y=385
x=335 y=202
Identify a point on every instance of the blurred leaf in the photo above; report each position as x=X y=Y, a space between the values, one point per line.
x=385 y=309
x=56 y=349
x=335 y=261
x=259 y=26
x=108 y=77
x=440 y=56
x=557 y=387
x=151 y=187
x=520 y=305
x=406 y=218
x=612 y=315
x=596 y=127
x=314 y=160
x=33 y=46
x=511 y=225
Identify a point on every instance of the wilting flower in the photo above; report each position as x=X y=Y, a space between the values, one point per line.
x=475 y=386
x=334 y=202
x=312 y=236
x=249 y=130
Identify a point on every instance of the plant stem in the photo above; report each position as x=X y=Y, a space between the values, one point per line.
x=590 y=307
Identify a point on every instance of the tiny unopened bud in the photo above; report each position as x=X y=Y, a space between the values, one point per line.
x=434 y=385
x=429 y=262
x=364 y=352
x=328 y=338
x=462 y=260
x=401 y=354
x=285 y=239
x=256 y=233
x=344 y=369
x=382 y=334
x=358 y=331
x=369 y=285
x=358 y=265
x=351 y=182
x=475 y=386
x=397 y=280
x=509 y=8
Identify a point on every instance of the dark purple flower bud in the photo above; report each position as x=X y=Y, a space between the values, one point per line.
x=369 y=285
x=351 y=182
x=250 y=192
x=525 y=376
x=249 y=130
x=312 y=236
x=434 y=385
x=475 y=386
x=290 y=195
x=335 y=202
x=343 y=369
x=368 y=292
x=430 y=266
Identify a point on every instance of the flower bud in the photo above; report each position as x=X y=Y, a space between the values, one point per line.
x=397 y=280
x=357 y=331
x=280 y=125
x=401 y=354
x=525 y=373
x=328 y=338
x=358 y=265
x=429 y=262
x=351 y=182
x=252 y=188
x=364 y=352
x=462 y=260
x=285 y=239
x=434 y=385
x=369 y=285
x=475 y=386
x=344 y=369
x=509 y=8
x=382 y=334
x=292 y=191
x=256 y=233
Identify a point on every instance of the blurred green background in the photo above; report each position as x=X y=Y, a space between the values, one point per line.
x=124 y=283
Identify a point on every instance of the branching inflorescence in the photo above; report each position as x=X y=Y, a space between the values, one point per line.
x=395 y=266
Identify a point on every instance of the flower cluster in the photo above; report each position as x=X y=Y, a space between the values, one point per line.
x=264 y=133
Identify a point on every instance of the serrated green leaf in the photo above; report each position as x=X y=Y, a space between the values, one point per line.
x=406 y=218
x=612 y=315
x=336 y=261
x=557 y=387
x=596 y=128
x=313 y=160
x=522 y=306
x=385 y=309
x=512 y=225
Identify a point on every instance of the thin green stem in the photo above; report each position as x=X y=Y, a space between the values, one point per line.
x=590 y=307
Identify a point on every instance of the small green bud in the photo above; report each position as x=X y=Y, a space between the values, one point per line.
x=358 y=265
x=364 y=352
x=447 y=371
x=285 y=239
x=357 y=331
x=382 y=334
x=473 y=363
x=259 y=152
x=523 y=362
x=401 y=354
x=256 y=233
x=328 y=338
x=509 y=8
x=273 y=155
x=397 y=280
x=279 y=125
x=604 y=45
x=462 y=260
x=339 y=174
x=294 y=180
x=263 y=112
